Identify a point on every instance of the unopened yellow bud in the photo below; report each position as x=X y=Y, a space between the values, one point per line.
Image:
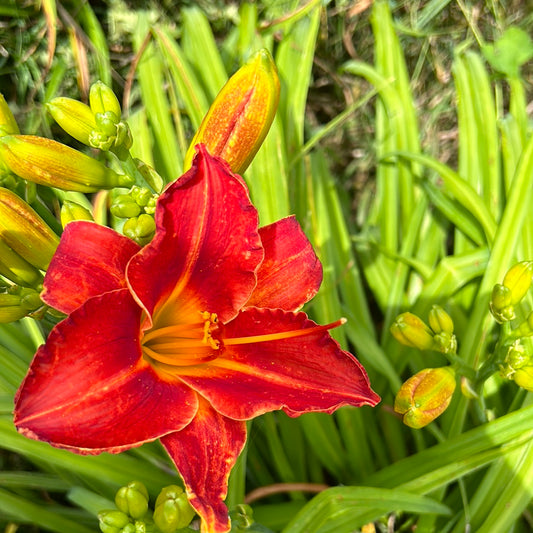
x=523 y=377
x=439 y=320
x=410 y=330
x=442 y=325
x=50 y=163
x=74 y=117
x=102 y=99
x=71 y=211
x=425 y=396
x=240 y=117
x=518 y=280
x=25 y=232
x=8 y=124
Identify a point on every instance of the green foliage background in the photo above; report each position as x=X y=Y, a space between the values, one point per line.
x=403 y=144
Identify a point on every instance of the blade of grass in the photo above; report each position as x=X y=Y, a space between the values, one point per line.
x=339 y=508
x=150 y=71
x=25 y=511
x=202 y=51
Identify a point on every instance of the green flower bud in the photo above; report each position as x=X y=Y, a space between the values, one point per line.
x=516 y=357
x=102 y=99
x=172 y=510
x=124 y=206
x=523 y=377
x=8 y=124
x=113 y=521
x=518 y=280
x=71 y=211
x=25 y=232
x=501 y=303
x=111 y=134
x=409 y=330
x=141 y=195
x=133 y=499
x=241 y=518
x=74 y=117
x=50 y=163
x=141 y=229
x=425 y=396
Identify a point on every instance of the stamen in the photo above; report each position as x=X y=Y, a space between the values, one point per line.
x=183 y=344
x=283 y=334
x=179 y=361
x=180 y=330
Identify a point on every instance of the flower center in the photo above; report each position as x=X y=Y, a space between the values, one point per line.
x=183 y=344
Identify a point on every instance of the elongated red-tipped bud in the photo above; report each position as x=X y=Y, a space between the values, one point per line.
x=425 y=396
x=240 y=117
x=53 y=164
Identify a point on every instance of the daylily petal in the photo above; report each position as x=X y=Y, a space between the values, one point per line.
x=206 y=248
x=299 y=374
x=88 y=388
x=214 y=442
x=90 y=260
x=290 y=275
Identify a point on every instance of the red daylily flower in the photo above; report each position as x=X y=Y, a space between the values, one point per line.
x=186 y=338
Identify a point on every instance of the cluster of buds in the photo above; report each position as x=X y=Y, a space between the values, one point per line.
x=138 y=207
x=427 y=394
x=516 y=350
x=410 y=330
x=172 y=511
x=50 y=163
x=518 y=365
x=98 y=124
x=506 y=295
x=233 y=129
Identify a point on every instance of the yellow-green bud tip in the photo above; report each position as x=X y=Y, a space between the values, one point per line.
x=74 y=117
x=8 y=124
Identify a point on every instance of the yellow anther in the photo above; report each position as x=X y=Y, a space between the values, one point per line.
x=209 y=319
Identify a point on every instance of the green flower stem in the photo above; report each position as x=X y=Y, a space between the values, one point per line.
x=129 y=167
